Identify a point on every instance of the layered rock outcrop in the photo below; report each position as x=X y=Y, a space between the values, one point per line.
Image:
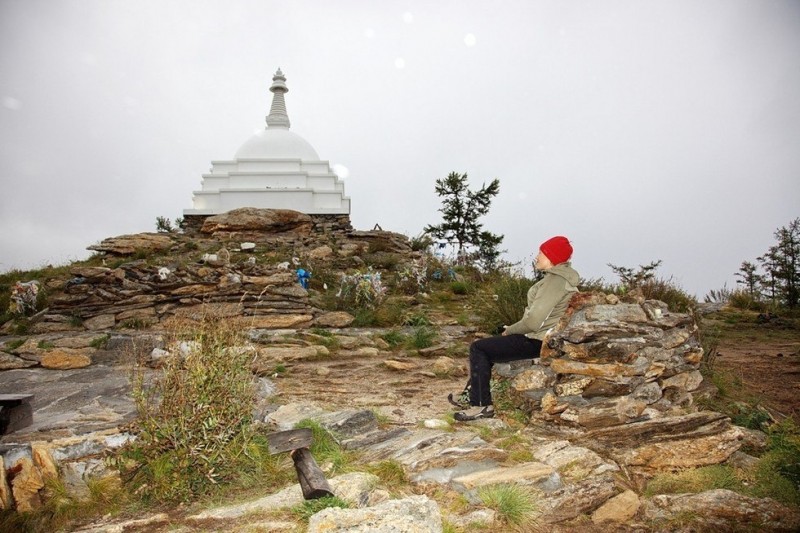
x=626 y=376
x=239 y=265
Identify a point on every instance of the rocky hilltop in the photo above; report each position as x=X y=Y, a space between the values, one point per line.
x=613 y=400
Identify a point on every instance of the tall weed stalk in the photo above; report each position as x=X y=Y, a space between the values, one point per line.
x=194 y=420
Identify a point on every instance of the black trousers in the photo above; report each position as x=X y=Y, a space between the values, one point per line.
x=484 y=353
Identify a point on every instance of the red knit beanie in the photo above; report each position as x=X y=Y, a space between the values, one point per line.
x=557 y=249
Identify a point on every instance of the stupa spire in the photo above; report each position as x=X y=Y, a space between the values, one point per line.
x=277 y=113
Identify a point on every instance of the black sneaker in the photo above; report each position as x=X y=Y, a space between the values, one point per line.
x=459 y=399
x=474 y=413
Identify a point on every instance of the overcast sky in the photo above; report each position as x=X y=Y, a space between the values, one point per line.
x=641 y=130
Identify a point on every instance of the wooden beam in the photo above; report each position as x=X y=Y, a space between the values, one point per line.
x=286 y=441
x=312 y=479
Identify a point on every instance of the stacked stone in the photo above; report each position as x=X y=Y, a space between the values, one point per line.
x=328 y=224
x=137 y=294
x=615 y=363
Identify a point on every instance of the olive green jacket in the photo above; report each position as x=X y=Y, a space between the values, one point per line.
x=547 y=302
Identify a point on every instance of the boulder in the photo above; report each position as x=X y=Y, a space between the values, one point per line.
x=577 y=499
x=412 y=514
x=9 y=362
x=444 y=366
x=130 y=244
x=335 y=319
x=688 y=381
x=719 y=509
x=384 y=241
x=669 y=443
x=537 y=377
x=26 y=485
x=322 y=252
x=399 y=365
x=65 y=359
x=620 y=509
x=251 y=219
x=572 y=462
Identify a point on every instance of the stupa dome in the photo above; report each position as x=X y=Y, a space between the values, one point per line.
x=277 y=143
x=273 y=169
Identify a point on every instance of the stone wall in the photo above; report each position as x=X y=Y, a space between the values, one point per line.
x=612 y=363
x=137 y=295
x=626 y=377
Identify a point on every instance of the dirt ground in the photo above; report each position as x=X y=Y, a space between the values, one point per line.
x=404 y=397
x=767 y=370
x=759 y=367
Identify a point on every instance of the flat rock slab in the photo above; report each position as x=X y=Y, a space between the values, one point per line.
x=409 y=515
x=70 y=402
x=425 y=448
x=349 y=487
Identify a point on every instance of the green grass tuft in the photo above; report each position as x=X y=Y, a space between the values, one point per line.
x=308 y=508
x=514 y=504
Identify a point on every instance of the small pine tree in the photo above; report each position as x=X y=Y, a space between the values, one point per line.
x=163 y=225
x=750 y=279
x=461 y=210
x=784 y=260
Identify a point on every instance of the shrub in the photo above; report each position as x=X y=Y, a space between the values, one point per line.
x=745 y=301
x=421 y=242
x=391 y=313
x=750 y=416
x=505 y=304
x=416 y=320
x=394 y=338
x=783 y=458
x=101 y=342
x=422 y=337
x=599 y=285
x=460 y=287
x=722 y=295
x=504 y=400
x=669 y=292
x=194 y=421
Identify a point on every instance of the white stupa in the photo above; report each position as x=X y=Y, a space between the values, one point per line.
x=274 y=169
